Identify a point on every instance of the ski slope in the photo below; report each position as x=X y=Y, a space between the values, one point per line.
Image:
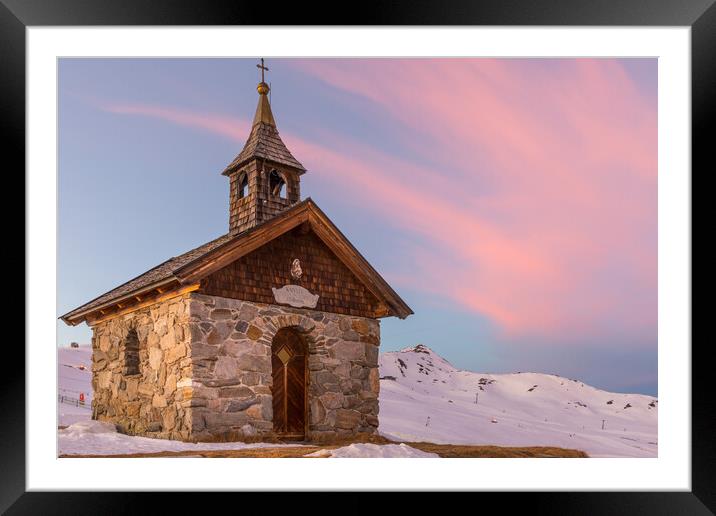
x=424 y=398
x=74 y=375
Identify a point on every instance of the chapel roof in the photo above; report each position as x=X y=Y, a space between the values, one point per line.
x=192 y=266
x=264 y=141
x=153 y=276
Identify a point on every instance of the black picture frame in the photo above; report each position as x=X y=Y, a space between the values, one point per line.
x=700 y=15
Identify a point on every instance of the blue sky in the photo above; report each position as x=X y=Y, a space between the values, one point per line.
x=511 y=203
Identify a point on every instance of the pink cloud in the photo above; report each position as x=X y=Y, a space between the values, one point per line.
x=543 y=213
x=570 y=159
x=228 y=127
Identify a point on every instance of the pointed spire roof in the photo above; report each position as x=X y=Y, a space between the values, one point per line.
x=264 y=141
x=263 y=109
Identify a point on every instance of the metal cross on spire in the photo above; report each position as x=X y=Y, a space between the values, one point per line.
x=262 y=67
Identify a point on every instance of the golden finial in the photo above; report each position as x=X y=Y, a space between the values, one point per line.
x=263 y=110
x=262 y=88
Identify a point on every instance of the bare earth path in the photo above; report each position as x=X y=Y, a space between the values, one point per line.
x=443 y=450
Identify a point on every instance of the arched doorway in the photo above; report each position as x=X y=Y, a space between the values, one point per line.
x=288 y=366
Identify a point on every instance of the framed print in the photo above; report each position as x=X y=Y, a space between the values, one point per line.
x=456 y=234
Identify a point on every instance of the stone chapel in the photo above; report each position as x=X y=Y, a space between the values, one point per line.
x=269 y=331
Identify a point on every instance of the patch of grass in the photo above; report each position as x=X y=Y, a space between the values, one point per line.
x=284 y=452
x=443 y=450
x=466 y=451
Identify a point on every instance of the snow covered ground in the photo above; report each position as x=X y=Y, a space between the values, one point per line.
x=74 y=373
x=101 y=438
x=424 y=398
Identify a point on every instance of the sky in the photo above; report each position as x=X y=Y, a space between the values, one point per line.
x=512 y=203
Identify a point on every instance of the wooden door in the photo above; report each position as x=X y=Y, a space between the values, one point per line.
x=288 y=363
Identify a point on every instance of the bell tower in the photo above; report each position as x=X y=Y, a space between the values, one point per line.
x=264 y=178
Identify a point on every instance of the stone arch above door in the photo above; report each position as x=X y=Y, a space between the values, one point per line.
x=302 y=324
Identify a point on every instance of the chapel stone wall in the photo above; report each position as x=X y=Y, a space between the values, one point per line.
x=155 y=402
x=231 y=364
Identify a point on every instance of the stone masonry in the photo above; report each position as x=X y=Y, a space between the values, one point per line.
x=231 y=359
x=148 y=403
x=205 y=370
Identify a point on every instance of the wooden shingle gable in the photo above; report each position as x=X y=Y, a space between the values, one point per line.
x=305 y=212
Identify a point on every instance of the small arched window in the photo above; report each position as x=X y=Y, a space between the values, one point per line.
x=131 y=353
x=243 y=185
x=277 y=185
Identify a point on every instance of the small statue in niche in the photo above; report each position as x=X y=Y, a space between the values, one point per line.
x=296 y=271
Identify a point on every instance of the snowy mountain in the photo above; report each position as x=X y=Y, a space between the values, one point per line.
x=424 y=398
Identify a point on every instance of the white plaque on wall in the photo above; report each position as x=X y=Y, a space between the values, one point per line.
x=295 y=295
